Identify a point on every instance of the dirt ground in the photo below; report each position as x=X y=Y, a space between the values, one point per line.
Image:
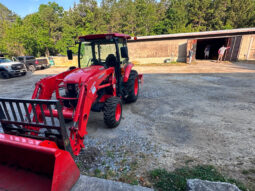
x=201 y=113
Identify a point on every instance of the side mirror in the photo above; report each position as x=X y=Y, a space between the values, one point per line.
x=70 y=54
x=124 y=52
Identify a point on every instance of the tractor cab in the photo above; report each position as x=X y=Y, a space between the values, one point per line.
x=98 y=52
x=108 y=50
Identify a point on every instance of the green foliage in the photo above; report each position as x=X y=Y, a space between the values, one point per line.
x=177 y=180
x=6 y=14
x=51 y=29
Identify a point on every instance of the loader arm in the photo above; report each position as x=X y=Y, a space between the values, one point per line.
x=46 y=86
x=87 y=96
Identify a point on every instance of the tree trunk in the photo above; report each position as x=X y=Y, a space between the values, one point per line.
x=47 y=52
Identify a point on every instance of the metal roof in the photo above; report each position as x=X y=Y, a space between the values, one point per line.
x=198 y=34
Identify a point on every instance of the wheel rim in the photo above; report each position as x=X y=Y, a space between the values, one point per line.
x=118 y=112
x=136 y=86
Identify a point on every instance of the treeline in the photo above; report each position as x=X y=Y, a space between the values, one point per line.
x=51 y=29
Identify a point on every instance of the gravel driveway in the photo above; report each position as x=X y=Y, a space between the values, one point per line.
x=196 y=114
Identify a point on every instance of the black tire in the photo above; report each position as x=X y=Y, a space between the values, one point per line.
x=112 y=117
x=31 y=68
x=23 y=74
x=4 y=74
x=132 y=92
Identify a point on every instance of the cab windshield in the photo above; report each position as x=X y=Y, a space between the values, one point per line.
x=99 y=52
x=4 y=60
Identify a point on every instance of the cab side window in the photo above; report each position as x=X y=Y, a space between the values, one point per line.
x=121 y=43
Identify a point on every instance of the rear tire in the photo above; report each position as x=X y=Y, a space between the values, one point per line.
x=132 y=87
x=5 y=75
x=112 y=112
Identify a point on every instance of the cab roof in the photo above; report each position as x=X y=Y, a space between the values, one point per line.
x=103 y=36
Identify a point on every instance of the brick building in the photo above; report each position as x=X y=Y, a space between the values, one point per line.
x=174 y=47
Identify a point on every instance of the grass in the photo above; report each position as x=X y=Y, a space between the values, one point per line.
x=97 y=173
x=249 y=171
x=110 y=154
x=129 y=178
x=177 y=180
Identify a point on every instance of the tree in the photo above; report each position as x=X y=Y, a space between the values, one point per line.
x=145 y=16
x=217 y=18
x=241 y=13
x=50 y=14
x=7 y=17
x=197 y=11
x=51 y=29
x=175 y=19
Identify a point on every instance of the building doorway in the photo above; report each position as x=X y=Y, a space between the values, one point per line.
x=214 y=45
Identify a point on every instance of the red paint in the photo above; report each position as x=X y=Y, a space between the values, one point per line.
x=67 y=113
x=82 y=75
x=118 y=112
x=32 y=166
x=48 y=144
x=140 y=76
x=128 y=69
x=104 y=98
x=136 y=86
x=98 y=36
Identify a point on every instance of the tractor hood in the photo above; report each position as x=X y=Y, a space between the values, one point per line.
x=82 y=75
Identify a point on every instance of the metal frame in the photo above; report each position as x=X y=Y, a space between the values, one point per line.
x=30 y=120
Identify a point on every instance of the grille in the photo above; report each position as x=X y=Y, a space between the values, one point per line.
x=17 y=66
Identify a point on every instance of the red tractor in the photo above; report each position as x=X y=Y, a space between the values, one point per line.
x=37 y=143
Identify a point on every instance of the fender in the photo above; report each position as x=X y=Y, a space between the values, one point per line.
x=128 y=69
x=3 y=69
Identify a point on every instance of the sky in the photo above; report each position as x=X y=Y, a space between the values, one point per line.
x=25 y=7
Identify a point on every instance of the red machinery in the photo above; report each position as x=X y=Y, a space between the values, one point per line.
x=42 y=134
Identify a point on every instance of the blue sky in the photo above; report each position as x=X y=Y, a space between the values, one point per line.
x=25 y=7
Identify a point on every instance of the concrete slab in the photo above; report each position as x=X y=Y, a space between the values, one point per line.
x=97 y=184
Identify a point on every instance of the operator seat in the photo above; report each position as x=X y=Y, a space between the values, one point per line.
x=111 y=61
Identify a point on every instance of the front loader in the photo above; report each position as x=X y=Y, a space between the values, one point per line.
x=43 y=135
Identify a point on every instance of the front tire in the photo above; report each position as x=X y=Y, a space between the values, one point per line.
x=132 y=87
x=112 y=112
x=5 y=75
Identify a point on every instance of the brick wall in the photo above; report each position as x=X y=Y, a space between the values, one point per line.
x=144 y=52
x=63 y=61
x=161 y=50
x=157 y=51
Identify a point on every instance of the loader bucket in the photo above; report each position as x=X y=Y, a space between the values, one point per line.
x=34 y=147
x=26 y=165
